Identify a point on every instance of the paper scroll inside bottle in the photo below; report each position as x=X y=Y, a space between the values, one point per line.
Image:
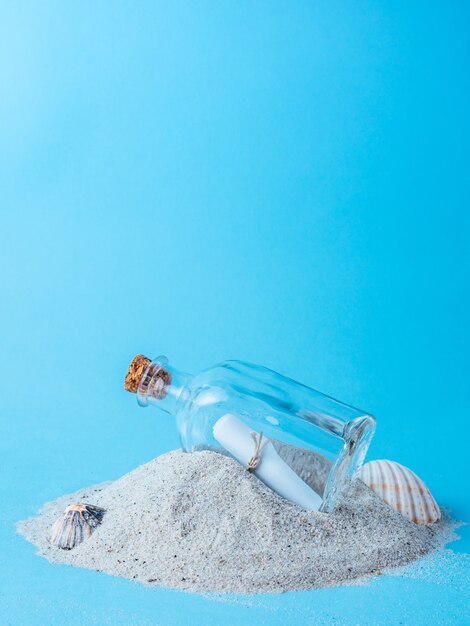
x=236 y=437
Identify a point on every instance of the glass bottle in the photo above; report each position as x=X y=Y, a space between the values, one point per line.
x=285 y=411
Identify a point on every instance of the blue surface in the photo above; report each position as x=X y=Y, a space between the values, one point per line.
x=285 y=183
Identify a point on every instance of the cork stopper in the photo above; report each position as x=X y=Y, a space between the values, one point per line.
x=136 y=372
x=147 y=378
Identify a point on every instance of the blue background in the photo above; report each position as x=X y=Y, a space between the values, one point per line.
x=282 y=182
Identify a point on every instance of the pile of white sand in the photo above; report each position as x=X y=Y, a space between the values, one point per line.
x=201 y=522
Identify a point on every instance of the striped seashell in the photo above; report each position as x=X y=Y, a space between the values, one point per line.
x=76 y=524
x=399 y=487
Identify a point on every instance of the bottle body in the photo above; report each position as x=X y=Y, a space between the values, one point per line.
x=289 y=414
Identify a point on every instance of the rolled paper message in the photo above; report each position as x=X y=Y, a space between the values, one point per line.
x=236 y=438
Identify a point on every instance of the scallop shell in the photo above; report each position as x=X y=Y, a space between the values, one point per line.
x=399 y=487
x=76 y=524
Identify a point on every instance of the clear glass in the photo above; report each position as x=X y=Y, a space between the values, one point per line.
x=286 y=411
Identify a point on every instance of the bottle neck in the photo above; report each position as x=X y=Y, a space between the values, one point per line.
x=163 y=386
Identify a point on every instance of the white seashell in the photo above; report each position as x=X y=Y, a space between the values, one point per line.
x=75 y=525
x=399 y=487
